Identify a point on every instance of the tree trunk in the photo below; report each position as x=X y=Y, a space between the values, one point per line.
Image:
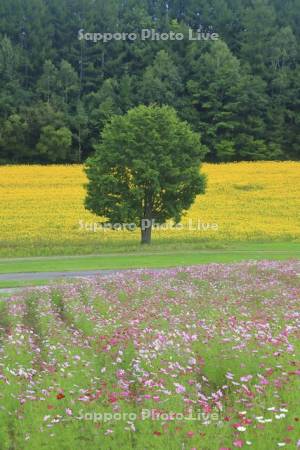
x=146 y=223
x=146 y=235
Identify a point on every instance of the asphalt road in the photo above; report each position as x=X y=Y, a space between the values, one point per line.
x=27 y=276
x=49 y=276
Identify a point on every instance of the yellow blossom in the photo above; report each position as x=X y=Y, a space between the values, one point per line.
x=243 y=201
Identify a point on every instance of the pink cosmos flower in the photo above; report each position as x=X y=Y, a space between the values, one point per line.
x=179 y=388
x=238 y=443
x=246 y=378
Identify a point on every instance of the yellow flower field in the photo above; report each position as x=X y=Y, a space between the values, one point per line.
x=43 y=205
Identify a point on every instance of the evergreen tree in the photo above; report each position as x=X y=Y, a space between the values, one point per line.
x=55 y=145
x=161 y=83
x=241 y=93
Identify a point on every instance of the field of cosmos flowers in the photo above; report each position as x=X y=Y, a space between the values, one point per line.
x=201 y=358
x=42 y=209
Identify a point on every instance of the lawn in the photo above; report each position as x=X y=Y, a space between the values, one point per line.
x=201 y=357
x=150 y=258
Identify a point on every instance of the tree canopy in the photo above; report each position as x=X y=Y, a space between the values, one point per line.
x=145 y=170
x=242 y=92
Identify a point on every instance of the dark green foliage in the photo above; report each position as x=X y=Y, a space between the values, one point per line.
x=145 y=168
x=51 y=140
x=241 y=93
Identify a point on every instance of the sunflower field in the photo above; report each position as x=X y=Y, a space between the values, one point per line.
x=43 y=207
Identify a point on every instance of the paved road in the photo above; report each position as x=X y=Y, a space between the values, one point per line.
x=27 y=276
x=49 y=276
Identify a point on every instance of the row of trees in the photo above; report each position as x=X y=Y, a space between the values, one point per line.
x=241 y=93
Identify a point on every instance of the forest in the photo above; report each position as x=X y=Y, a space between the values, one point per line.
x=241 y=93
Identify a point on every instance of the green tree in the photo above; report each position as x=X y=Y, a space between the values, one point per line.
x=259 y=23
x=240 y=93
x=13 y=140
x=146 y=168
x=38 y=116
x=248 y=112
x=9 y=60
x=80 y=131
x=291 y=136
x=226 y=150
x=101 y=106
x=217 y=74
x=161 y=82
x=54 y=145
x=11 y=92
x=47 y=84
x=67 y=81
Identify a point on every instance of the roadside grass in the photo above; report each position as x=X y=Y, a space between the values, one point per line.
x=23 y=283
x=42 y=248
x=154 y=259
